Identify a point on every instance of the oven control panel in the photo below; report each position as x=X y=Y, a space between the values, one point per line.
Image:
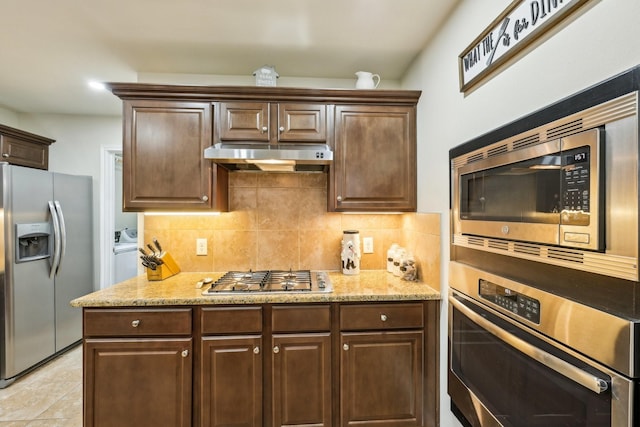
x=510 y=300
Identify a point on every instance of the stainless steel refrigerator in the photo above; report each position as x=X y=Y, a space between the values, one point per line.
x=46 y=260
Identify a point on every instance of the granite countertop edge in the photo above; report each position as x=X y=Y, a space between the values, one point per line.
x=180 y=290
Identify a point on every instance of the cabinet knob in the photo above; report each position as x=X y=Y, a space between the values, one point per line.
x=281 y=129
x=185 y=353
x=5 y=155
x=205 y=198
x=339 y=199
x=345 y=347
x=383 y=317
x=256 y=350
x=276 y=349
x=264 y=129
x=135 y=323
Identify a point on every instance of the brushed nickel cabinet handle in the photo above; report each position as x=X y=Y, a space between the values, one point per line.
x=276 y=349
x=339 y=199
x=345 y=347
x=264 y=129
x=205 y=198
x=135 y=323
x=256 y=350
x=383 y=317
x=185 y=353
x=5 y=155
x=281 y=128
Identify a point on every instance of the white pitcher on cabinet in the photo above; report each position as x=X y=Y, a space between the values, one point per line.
x=366 y=80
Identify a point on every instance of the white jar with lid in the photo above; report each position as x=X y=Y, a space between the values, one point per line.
x=390 y=255
x=350 y=253
x=397 y=261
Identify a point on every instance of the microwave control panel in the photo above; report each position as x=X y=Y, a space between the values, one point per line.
x=510 y=300
x=575 y=182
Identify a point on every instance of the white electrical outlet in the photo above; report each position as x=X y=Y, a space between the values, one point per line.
x=201 y=246
x=367 y=244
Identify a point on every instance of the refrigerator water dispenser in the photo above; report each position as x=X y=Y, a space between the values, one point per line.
x=32 y=241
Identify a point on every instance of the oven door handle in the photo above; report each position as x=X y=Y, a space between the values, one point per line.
x=566 y=369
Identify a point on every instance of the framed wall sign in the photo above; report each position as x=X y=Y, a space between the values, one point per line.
x=520 y=24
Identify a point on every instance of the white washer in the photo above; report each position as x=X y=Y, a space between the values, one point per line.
x=125 y=261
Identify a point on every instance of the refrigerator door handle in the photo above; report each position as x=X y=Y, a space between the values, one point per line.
x=63 y=235
x=55 y=257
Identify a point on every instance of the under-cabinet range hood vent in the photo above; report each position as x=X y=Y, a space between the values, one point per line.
x=271 y=158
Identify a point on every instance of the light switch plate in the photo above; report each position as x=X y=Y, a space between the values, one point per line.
x=201 y=246
x=367 y=244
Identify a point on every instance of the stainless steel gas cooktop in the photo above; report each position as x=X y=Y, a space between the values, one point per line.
x=267 y=281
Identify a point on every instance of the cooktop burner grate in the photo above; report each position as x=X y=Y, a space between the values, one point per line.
x=270 y=281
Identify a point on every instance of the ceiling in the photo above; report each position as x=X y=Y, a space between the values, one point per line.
x=50 y=50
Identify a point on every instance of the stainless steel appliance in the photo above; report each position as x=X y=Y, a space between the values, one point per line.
x=47 y=260
x=269 y=281
x=271 y=158
x=563 y=193
x=544 y=332
x=519 y=356
x=547 y=193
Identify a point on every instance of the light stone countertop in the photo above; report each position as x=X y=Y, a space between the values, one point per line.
x=369 y=285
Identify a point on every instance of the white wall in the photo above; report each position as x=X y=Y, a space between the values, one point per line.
x=601 y=41
x=77 y=151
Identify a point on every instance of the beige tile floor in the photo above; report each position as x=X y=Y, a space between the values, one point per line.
x=50 y=396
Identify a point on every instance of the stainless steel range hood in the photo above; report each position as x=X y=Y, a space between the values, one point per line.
x=271 y=158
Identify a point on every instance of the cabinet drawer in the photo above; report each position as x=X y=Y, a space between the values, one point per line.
x=381 y=316
x=134 y=322
x=301 y=318
x=231 y=320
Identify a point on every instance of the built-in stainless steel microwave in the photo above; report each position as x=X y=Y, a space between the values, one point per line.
x=549 y=193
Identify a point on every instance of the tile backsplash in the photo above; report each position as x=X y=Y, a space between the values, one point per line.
x=280 y=221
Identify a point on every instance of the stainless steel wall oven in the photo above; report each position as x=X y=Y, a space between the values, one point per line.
x=523 y=357
x=544 y=302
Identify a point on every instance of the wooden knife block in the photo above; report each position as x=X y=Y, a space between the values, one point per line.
x=167 y=269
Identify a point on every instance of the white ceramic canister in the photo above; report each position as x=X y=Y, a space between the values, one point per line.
x=350 y=253
x=390 y=254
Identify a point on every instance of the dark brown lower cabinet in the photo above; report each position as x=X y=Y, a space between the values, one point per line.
x=231 y=376
x=285 y=365
x=301 y=375
x=381 y=379
x=137 y=382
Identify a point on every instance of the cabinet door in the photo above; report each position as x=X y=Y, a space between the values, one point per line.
x=381 y=379
x=137 y=383
x=24 y=153
x=375 y=159
x=301 y=380
x=163 y=162
x=302 y=122
x=231 y=375
x=244 y=121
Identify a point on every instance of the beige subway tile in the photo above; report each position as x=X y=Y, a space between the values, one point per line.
x=235 y=250
x=243 y=179
x=278 y=208
x=313 y=180
x=278 y=180
x=428 y=223
x=278 y=250
x=183 y=249
x=319 y=250
x=371 y=221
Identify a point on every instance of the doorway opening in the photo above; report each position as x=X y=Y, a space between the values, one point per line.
x=112 y=219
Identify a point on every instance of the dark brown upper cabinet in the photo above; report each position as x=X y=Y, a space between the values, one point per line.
x=23 y=148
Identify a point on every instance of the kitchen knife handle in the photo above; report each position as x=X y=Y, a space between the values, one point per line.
x=157 y=244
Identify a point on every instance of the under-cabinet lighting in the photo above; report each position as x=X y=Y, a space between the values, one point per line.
x=374 y=213
x=181 y=213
